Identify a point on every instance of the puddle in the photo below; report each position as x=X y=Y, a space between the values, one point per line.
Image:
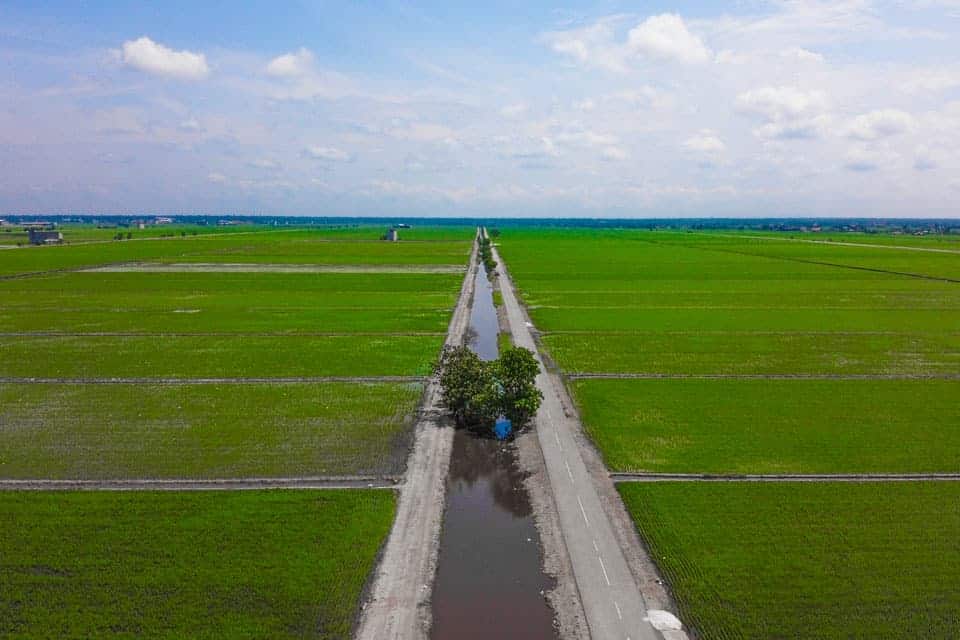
x=489 y=583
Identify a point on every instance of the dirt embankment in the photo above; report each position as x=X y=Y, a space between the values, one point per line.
x=398 y=604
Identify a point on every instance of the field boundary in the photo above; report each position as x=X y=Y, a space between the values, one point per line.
x=822 y=263
x=214 y=334
x=762 y=376
x=269 y=267
x=189 y=381
x=842 y=243
x=204 y=484
x=786 y=477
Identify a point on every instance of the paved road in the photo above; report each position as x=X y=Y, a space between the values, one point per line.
x=611 y=599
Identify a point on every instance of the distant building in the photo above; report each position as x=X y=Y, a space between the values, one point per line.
x=403 y=225
x=163 y=220
x=39 y=236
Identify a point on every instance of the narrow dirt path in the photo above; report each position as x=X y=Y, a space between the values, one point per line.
x=842 y=243
x=399 y=603
x=762 y=376
x=202 y=484
x=192 y=381
x=784 y=477
x=256 y=267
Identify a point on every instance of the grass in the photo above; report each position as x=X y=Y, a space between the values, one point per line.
x=225 y=303
x=301 y=246
x=204 y=431
x=753 y=353
x=825 y=561
x=249 y=564
x=187 y=357
x=773 y=426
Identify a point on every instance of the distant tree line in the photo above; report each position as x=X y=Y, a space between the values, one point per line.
x=486 y=256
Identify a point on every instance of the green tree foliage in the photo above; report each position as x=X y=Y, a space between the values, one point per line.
x=476 y=392
x=470 y=391
x=516 y=371
x=486 y=255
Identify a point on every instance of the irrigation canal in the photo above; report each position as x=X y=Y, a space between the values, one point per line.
x=489 y=581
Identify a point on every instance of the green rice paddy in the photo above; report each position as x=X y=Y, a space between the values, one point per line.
x=799 y=560
x=774 y=426
x=825 y=359
x=212 y=564
x=110 y=431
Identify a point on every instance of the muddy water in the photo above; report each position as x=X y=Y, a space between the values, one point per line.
x=489 y=582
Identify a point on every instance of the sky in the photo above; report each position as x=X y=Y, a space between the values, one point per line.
x=848 y=108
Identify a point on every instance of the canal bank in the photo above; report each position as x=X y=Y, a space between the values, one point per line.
x=490 y=581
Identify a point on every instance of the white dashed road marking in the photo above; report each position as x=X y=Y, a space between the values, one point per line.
x=583 y=511
x=605 y=576
x=569 y=473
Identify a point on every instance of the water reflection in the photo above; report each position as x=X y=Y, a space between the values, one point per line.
x=489 y=583
x=493 y=463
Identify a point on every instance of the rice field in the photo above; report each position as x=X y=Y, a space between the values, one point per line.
x=752 y=561
x=244 y=564
x=112 y=338
x=98 y=432
x=764 y=355
x=190 y=357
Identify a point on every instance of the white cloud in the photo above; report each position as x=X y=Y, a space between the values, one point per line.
x=291 y=65
x=216 y=178
x=592 y=46
x=585 y=105
x=190 y=125
x=327 y=153
x=614 y=154
x=666 y=37
x=514 y=110
x=586 y=138
x=659 y=37
x=879 y=124
x=864 y=159
x=932 y=80
x=782 y=103
x=704 y=142
x=118 y=121
x=267 y=164
x=801 y=55
x=790 y=113
x=146 y=55
x=800 y=129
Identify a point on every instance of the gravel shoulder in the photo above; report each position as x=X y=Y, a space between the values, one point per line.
x=398 y=606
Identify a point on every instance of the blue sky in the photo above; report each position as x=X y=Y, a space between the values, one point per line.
x=755 y=108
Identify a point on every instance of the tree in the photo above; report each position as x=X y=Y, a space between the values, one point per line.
x=476 y=392
x=470 y=391
x=516 y=372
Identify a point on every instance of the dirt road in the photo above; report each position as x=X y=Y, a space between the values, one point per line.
x=612 y=600
x=399 y=605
